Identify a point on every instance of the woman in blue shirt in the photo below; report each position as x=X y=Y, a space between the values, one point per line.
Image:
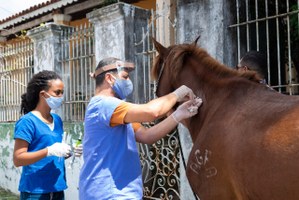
x=38 y=140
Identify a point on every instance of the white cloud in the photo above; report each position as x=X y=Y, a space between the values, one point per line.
x=11 y=7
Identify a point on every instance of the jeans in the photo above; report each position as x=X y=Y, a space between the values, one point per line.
x=45 y=196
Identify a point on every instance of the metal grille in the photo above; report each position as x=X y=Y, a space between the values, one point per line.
x=160 y=161
x=145 y=58
x=77 y=46
x=160 y=168
x=271 y=26
x=16 y=69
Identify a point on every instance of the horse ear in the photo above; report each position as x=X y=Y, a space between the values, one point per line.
x=196 y=40
x=159 y=47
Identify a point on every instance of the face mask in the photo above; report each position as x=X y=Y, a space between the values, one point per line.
x=54 y=102
x=122 y=87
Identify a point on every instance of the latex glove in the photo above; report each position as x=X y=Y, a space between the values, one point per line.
x=59 y=149
x=78 y=149
x=184 y=93
x=186 y=110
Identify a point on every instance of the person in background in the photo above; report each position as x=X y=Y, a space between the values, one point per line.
x=254 y=61
x=111 y=168
x=38 y=140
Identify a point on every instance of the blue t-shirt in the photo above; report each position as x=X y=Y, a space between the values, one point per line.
x=111 y=168
x=48 y=174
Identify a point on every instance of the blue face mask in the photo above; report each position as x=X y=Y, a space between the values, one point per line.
x=122 y=87
x=54 y=102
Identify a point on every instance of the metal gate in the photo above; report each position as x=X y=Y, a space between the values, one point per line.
x=77 y=61
x=16 y=69
x=160 y=162
x=271 y=27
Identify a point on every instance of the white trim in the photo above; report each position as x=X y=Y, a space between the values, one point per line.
x=36 y=12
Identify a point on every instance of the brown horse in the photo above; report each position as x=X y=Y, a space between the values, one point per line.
x=246 y=136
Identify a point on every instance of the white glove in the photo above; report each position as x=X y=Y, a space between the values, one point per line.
x=186 y=110
x=59 y=149
x=78 y=149
x=184 y=93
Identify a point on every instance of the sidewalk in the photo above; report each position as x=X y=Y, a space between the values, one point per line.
x=5 y=195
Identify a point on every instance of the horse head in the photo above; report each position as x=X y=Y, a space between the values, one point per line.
x=173 y=61
x=190 y=65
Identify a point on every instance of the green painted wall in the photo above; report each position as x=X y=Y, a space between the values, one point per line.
x=10 y=175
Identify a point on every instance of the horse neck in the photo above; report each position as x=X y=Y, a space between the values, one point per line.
x=212 y=97
x=230 y=94
x=213 y=88
x=205 y=87
x=206 y=84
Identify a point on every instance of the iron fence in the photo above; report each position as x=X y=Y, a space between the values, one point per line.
x=16 y=68
x=77 y=62
x=160 y=161
x=271 y=27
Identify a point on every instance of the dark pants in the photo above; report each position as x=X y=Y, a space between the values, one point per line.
x=45 y=196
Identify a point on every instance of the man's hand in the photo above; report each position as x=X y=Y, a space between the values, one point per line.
x=186 y=110
x=184 y=93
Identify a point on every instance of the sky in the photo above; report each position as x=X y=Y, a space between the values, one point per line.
x=10 y=7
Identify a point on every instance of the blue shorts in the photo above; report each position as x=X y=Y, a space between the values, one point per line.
x=45 y=196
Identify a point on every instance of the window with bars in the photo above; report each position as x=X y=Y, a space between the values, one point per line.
x=271 y=27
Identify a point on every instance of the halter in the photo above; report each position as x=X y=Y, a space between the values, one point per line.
x=159 y=77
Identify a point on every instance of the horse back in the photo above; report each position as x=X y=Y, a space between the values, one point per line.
x=247 y=148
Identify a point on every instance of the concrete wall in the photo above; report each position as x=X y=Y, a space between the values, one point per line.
x=10 y=175
x=210 y=20
x=115 y=26
x=115 y=29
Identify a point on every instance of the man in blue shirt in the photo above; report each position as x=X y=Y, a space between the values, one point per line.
x=111 y=168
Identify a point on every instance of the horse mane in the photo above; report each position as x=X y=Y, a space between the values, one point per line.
x=179 y=53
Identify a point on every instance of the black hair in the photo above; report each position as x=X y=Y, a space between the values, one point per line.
x=255 y=61
x=106 y=61
x=38 y=82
